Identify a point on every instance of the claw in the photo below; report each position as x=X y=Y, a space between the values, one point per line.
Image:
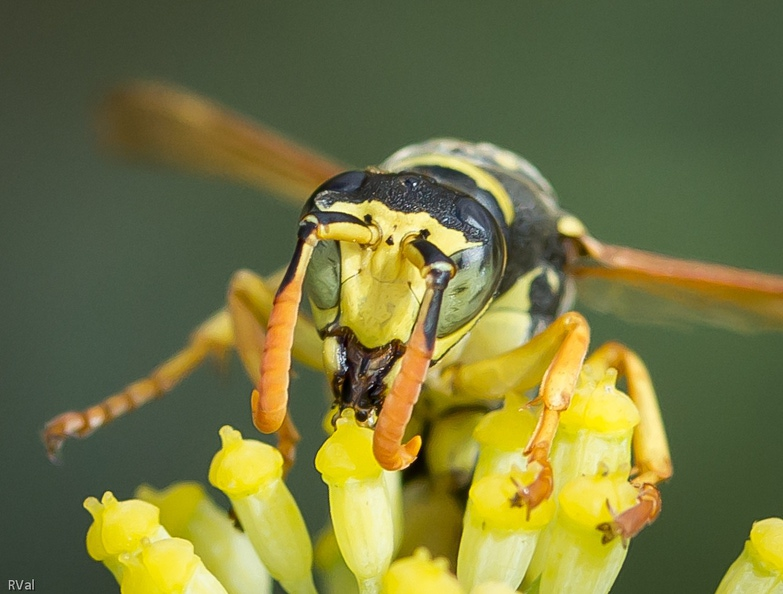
x=629 y=523
x=53 y=442
x=540 y=489
x=69 y=425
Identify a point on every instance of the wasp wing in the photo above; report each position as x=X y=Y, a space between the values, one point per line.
x=160 y=123
x=643 y=286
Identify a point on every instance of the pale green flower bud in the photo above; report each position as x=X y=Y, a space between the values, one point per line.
x=393 y=481
x=493 y=588
x=420 y=574
x=360 y=502
x=120 y=527
x=433 y=519
x=336 y=578
x=186 y=511
x=250 y=473
x=759 y=568
x=502 y=436
x=167 y=566
x=577 y=559
x=595 y=431
x=499 y=534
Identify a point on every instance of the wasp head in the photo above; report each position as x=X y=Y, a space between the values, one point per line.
x=397 y=268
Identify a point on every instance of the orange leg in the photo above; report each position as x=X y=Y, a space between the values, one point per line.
x=629 y=523
x=554 y=359
x=213 y=336
x=241 y=326
x=650 y=447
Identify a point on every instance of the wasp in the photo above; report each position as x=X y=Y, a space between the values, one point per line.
x=448 y=273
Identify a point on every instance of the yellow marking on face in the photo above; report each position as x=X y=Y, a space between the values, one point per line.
x=381 y=290
x=483 y=178
x=323 y=317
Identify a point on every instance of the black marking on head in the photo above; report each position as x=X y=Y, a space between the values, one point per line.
x=390 y=240
x=345 y=183
x=467 y=185
x=409 y=192
x=305 y=230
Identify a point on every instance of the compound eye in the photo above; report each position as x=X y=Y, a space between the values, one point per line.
x=344 y=183
x=479 y=270
x=322 y=281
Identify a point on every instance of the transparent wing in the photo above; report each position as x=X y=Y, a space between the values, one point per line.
x=163 y=124
x=642 y=286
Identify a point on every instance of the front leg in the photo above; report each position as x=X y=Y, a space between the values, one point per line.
x=552 y=359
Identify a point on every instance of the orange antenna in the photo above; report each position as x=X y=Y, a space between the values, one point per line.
x=398 y=405
x=270 y=400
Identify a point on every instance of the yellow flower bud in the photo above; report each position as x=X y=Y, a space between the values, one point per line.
x=167 y=566
x=433 y=519
x=119 y=527
x=595 y=431
x=243 y=466
x=451 y=449
x=187 y=512
x=499 y=535
x=759 y=568
x=577 y=560
x=420 y=574
x=502 y=436
x=250 y=473
x=336 y=578
x=360 y=502
x=347 y=454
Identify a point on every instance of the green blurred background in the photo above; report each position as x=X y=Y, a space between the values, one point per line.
x=660 y=124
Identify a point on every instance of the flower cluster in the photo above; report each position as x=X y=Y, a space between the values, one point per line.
x=178 y=540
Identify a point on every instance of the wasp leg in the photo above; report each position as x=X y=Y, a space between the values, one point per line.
x=241 y=324
x=629 y=523
x=250 y=300
x=552 y=359
x=650 y=446
x=214 y=336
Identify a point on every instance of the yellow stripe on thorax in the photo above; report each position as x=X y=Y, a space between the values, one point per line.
x=483 y=178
